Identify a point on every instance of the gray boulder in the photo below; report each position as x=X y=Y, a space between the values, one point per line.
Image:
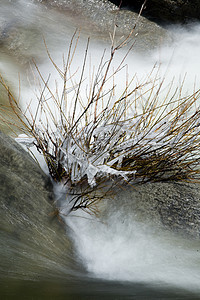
x=169 y=206
x=34 y=244
x=102 y=16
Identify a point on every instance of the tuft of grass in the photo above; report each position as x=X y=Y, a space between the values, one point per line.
x=145 y=135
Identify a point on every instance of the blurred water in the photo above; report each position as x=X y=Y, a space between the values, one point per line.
x=120 y=248
x=121 y=258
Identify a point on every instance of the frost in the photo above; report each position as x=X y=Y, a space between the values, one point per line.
x=25 y=140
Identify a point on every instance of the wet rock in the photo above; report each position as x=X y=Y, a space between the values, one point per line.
x=103 y=15
x=20 y=42
x=20 y=35
x=169 y=205
x=6 y=113
x=33 y=243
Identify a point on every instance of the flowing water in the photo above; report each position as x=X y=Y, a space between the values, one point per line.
x=119 y=256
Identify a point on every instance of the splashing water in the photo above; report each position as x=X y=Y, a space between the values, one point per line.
x=125 y=250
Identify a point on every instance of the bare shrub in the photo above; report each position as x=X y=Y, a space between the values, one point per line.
x=143 y=136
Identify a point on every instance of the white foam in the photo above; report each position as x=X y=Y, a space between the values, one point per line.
x=122 y=249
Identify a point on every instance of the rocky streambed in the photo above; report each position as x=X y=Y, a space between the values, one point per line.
x=37 y=250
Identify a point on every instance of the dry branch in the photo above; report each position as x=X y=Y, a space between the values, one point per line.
x=144 y=135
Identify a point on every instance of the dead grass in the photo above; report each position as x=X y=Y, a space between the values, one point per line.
x=143 y=136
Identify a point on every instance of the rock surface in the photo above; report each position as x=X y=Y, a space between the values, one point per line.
x=173 y=206
x=102 y=16
x=33 y=243
x=21 y=38
x=166 y=10
x=7 y=115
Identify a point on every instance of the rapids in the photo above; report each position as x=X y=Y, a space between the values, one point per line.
x=121 y=256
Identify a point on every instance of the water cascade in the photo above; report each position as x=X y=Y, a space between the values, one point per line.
x=120 y=253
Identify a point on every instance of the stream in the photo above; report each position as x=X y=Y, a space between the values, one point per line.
x=119 y=255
